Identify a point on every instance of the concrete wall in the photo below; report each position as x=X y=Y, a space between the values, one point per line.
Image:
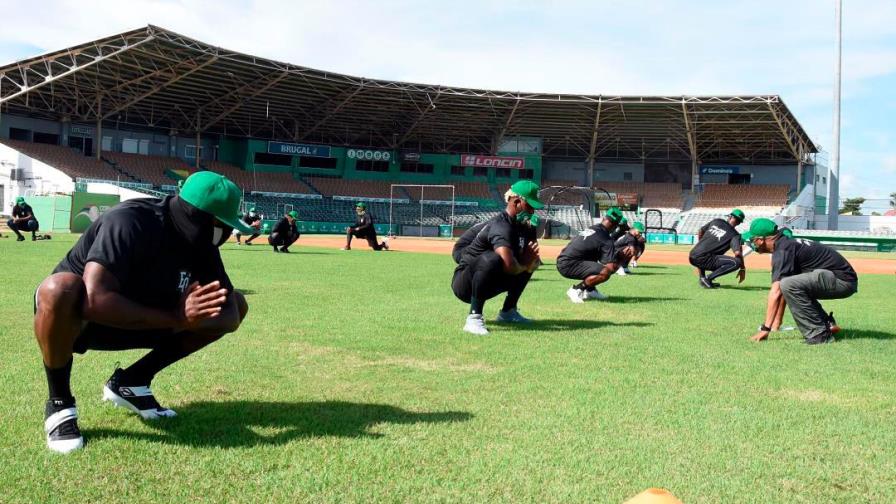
x=40 y=178
x=577 y=171
x=159 y=144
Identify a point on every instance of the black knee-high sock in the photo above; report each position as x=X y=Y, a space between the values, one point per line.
x=582 y=286
x=59 y=381
x=476 y=306
x=144 y=370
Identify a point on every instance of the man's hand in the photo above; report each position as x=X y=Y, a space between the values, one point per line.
x=202 y=302
x=626 y=254
x=530 y=257
x=349 y=230
x=741 y=275
x=760 y=336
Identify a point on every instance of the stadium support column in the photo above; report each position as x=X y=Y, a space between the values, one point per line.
x=198 y=141
x=692 y=144
x=592 y=151
x=99 y=125
x=834 y=175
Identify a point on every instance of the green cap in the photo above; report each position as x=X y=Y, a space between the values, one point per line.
x=252 y=210
x=760 y=227
x=639 y=226
x=614 y=215
x=20 y=200
x=361 y=204
x=738 y=214
x=293 y=214
x=527 y=190
x=214 y=194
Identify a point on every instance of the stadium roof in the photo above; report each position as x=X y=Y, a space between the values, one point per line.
x=153 y=77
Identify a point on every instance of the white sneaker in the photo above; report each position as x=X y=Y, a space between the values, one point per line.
x=512 y=316
x=596 y=294
x=475 y=325
x=622 y=272
x=575 y=295
x=385 y=243
x=633 y=264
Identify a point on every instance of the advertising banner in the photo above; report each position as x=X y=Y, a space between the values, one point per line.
x=291 y=149
x=492 y=161
x=368 y=155
x=87 y=207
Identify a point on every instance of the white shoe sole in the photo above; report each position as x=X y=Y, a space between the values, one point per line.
x=119 y=401
x=65 y=445
x=477 y=330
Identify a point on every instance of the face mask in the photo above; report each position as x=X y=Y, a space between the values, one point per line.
x=522 y=217
x=192 y=224
x=220 y=235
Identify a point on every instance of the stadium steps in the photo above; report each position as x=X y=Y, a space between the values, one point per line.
x=688 y=199
x=308 y=183
x=122 y=171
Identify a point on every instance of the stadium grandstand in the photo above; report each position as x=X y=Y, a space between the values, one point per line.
x=145 y=108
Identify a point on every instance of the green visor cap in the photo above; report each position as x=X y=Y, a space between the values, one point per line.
x=361 y=204
x=293 y=214
x=20 y=200
x=759 y=228
x=614 y=215
x=214 y=194
x=738 y=214
x=527 y=190
x=638 y=226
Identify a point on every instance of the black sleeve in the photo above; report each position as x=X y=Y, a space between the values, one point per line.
x=705 y=227
x=500 y=234
x=121 y=244
x=736 y=245
x=212 y=269
x=282 y=226
x=783 y=263
x=607 y=253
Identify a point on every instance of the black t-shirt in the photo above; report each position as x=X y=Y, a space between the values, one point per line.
x=620 y=230
x=499 y=231
x=629 y=239
x=592 y=244
x=465 y=240
x=22 y=211
x=251 y=219
x=717 y=238
x=284 y=227
x=793 y=256
x=138 y=244
x=363 y=222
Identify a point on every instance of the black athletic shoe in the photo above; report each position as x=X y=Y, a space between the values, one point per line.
x=821 y=339
x=276 y=250
x=284 y=250
x=137 y=398
x=706 y=284
x=61 y=426
x=21 y=238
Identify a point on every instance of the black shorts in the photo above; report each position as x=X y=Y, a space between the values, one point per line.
x=579 y=270
x=100 y=337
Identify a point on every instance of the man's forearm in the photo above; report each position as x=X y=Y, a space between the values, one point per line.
x=114 y=310
x=774 y=298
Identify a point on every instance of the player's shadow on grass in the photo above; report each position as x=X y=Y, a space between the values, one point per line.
x=569 y=325
x=638 y=299
x=742 y=288
x=850 y=334
x=242 y=424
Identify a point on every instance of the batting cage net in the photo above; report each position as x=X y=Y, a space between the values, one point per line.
x=567 y=210
x=422 y=210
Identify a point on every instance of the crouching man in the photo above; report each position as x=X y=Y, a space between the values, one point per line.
x=146 y=274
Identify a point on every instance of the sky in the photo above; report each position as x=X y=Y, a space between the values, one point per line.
x=672 y=47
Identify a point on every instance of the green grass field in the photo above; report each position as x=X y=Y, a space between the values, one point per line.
x=351 y=381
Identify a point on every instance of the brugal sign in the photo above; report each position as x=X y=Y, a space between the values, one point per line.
x=291 y=149
x=491 y=161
